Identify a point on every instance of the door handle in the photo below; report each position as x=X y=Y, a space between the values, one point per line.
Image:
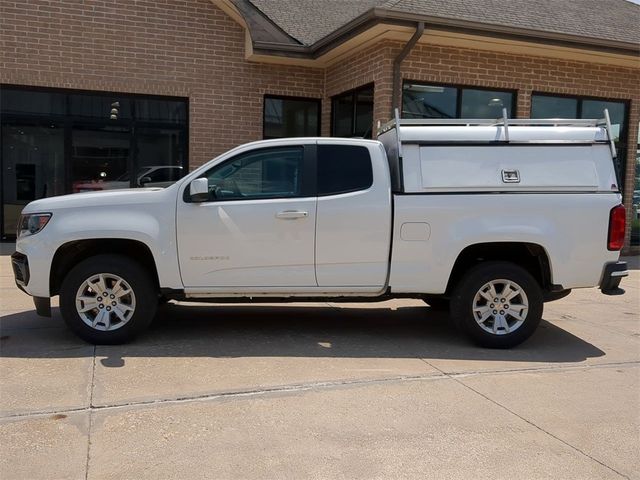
x=291 y=214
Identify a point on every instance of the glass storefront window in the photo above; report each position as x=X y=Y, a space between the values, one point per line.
x=352 y=113
x=437 y=101
x=101 y=107
x=291 y=117
x=32 y=167
x=429 y=101
x=485 y=103
x=544 y=106
x=99 y=158
x=56 y=142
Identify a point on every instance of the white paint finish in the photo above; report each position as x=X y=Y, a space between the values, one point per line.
x=571 y=228
x=415 y=232
x=144 y=215
x=244 y=244
x=353 y=232
x=541 y=168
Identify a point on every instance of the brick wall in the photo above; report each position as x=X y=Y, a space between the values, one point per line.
x=164 y=47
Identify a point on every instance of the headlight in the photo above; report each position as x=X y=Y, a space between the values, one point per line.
x=32 y=223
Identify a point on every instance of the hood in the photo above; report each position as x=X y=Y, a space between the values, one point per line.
x=95 y=199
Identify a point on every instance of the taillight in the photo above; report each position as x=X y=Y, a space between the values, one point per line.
x=617 y=224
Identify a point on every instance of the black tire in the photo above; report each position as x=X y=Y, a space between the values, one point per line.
x=143 y=287
x=469 y=286
x=439 y=304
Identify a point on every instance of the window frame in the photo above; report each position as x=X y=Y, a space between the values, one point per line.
x=308 y=177
x=317 y=101
x=459 y=88
x=354 y=104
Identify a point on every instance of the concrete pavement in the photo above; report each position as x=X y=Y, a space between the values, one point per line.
x=322 y=391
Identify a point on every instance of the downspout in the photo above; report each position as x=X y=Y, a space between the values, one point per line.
x=397 y=63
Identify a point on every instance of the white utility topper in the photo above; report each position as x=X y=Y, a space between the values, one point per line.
x=487 y=218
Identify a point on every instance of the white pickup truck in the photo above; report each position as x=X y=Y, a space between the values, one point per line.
x=487 y=218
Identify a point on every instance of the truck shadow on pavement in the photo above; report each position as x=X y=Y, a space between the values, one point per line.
x=288 y=331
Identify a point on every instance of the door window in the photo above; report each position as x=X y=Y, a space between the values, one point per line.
x=266 y=173
x=343 y=168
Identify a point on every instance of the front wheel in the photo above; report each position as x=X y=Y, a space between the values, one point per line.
x=497 y=304
x=108 y=299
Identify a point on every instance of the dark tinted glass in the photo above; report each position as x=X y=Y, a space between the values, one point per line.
x=32 y=101
x=285 y=117
x=485 y=103
x=343 y=168
x=102 y=107
x=353 y=113
x=364 y=113
x=428 y=101
x=160 y=110
x=342 y=107
x=617 y=113
x=545 y=106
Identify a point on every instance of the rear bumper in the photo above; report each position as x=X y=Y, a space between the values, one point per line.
x=611 y=276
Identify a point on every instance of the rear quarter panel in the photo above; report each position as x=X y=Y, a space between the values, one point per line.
x=571 y=227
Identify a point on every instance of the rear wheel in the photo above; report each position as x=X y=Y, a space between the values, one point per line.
x=108 y=299
x=497 y=304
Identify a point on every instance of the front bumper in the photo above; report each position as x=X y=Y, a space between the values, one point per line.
x=611 y=276
x=21 y=273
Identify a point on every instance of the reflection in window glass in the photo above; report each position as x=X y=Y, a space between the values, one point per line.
x=595 y=109
x=33 y=167
x=429 y=101
x=103 y=107
x=265 y=173
x=485 y=103
x=435 y=101
x=364 y=113
x=546 y=106
x=14 y=101
x=160 y=110
x=342 y=107
x=99 y=158
x=353 y=113
x=287 y=117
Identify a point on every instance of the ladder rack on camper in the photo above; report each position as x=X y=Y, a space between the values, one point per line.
x=505 y=122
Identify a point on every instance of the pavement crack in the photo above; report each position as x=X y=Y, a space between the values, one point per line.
x=457 y=378
x=293 y=388
x=90 y=410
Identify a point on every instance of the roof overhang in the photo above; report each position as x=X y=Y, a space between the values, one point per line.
x=266 y=42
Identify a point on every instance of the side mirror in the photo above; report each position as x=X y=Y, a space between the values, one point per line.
x=199 y=190
x=144 y=180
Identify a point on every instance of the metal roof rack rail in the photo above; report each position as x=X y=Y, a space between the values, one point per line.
x=505 y=122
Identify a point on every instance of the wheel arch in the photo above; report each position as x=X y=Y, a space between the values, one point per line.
x=530 y=256
x=71 y=253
